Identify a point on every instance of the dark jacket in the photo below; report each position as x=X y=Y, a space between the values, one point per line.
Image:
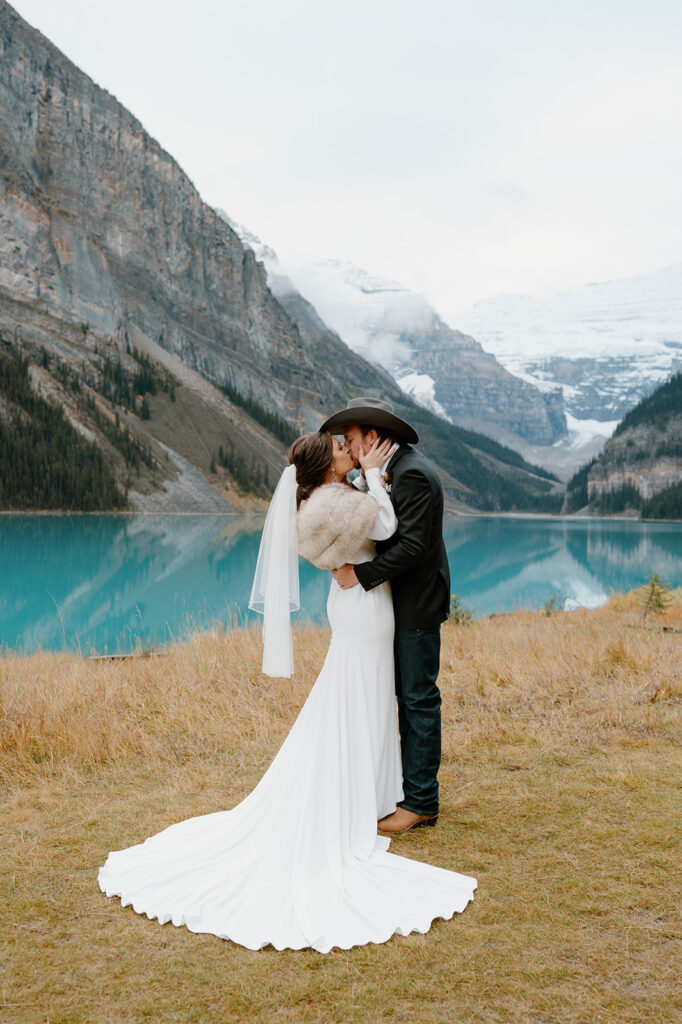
x=414 y=558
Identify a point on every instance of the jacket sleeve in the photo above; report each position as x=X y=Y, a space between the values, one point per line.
x=413 y=500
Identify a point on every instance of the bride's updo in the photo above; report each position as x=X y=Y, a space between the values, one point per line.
x=312 y=454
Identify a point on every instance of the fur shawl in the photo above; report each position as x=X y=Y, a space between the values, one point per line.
x=333 y=523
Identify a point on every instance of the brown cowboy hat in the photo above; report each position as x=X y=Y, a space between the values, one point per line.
x=374 y=412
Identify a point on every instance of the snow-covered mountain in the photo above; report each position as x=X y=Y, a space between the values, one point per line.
x=607 y=345
x=444 y=370
x=575 y=364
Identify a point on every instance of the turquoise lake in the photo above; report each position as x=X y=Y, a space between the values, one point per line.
x=110 y=584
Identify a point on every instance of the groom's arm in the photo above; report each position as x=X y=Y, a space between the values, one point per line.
x=413 y=498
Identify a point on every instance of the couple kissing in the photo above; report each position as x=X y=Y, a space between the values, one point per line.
x=303 y=861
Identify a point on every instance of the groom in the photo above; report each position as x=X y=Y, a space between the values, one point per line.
x=415 y=562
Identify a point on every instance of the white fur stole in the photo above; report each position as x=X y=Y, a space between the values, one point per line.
x=333 y=523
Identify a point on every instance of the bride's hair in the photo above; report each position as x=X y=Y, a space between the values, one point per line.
x=312 y=454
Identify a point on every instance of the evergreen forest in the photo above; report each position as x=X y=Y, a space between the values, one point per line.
x=278 y=427
x=576 y=488
x=657 y=408
x=496 y=487
x=44 y=461
x=667 y=504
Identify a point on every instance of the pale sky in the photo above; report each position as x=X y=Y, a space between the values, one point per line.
x=464 y=148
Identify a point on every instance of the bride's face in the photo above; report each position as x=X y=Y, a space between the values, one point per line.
x=342 y=461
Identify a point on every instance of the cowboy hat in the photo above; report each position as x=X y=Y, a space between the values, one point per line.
x=373 y=412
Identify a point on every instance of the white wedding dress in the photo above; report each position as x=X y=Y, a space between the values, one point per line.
x=298 y=863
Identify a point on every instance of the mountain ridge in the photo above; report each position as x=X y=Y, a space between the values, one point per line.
x=640 y=469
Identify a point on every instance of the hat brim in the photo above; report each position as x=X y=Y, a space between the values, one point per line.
x=399 y=429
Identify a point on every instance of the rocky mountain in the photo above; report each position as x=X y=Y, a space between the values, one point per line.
x=640 y=468
x=441 y=368
x=606 y=345
x=392 y=326
x=101 y=225
x=115 y=274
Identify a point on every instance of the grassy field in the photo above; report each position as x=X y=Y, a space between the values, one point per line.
x=562 y=794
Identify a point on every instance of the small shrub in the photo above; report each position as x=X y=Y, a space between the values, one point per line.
x=657 y=597
x=553 y=604
x=459 y=613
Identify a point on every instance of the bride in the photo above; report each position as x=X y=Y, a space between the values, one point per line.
x=298 y=863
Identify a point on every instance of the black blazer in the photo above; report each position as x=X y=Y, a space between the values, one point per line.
x=414 y=558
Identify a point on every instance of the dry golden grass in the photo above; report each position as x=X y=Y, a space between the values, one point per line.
x=562 y=794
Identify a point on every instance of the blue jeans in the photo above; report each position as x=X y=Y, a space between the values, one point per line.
x=417 y=660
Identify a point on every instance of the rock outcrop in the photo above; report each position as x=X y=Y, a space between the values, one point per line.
x=646 y=458
x=478 y=393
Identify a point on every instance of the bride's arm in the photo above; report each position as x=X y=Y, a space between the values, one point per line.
x=385 y=523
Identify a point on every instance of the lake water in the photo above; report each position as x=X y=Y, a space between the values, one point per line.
x=105 y=583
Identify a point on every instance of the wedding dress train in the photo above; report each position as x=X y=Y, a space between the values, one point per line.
x=298 y=863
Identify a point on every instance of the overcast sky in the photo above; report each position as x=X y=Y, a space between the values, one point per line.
x=463 y=148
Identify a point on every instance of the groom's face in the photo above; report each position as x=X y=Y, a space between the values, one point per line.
x=357 y=444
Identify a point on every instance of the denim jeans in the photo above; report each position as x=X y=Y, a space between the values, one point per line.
x=417 y=660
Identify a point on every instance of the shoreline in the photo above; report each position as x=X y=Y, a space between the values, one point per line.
x=306 y=626
x=120 y=514
x=454 y=513
x=558 y=515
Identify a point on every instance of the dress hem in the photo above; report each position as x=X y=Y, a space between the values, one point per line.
x=402 y=929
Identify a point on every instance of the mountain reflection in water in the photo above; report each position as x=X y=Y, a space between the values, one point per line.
x=108 y=583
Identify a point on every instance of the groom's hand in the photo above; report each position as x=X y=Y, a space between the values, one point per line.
x=345 y=576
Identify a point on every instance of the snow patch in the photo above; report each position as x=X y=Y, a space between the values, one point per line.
x=422 y=388
x=580 y=432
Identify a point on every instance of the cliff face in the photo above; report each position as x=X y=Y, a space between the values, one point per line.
x=99 y=225
x=477 y=392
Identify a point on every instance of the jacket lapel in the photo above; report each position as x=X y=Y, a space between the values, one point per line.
x=392 y=463
x=396 y=457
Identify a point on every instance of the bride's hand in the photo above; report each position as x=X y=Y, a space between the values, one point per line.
x=377 y=455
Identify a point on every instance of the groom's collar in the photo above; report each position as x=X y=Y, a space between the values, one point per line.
x=397 y=455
